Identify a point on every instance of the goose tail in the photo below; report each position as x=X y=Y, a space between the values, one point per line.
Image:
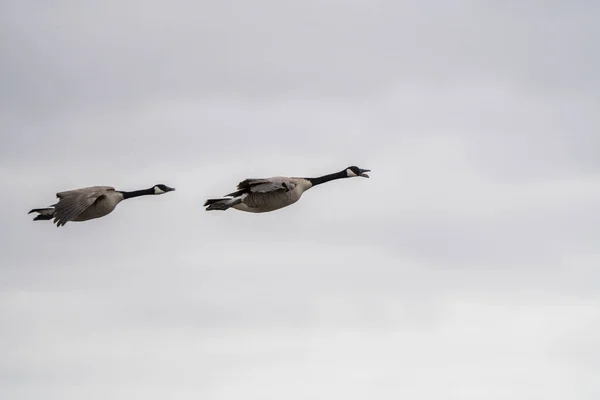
x=222 y=204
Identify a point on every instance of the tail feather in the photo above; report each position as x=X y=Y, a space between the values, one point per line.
x=221 y=204
x=45 y=214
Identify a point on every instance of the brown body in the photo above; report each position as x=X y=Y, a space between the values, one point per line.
x=265 y=201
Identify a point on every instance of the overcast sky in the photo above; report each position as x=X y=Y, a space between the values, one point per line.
x=467 y=267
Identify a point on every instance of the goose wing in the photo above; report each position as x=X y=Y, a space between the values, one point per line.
x=267 y=185
x=74 y=202
x=88 y=190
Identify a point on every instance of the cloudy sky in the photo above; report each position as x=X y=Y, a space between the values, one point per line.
x=467 y=267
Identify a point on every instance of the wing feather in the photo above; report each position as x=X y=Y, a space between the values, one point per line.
x=266 y=185
x=77 y=192
x=74 y=202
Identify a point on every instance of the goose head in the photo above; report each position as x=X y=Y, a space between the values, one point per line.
x=162 y=189
x=355 y=171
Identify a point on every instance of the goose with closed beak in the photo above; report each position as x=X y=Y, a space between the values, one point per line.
x=90 y=203
x=264 y=195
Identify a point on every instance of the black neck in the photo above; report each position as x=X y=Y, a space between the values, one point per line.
x=136 y=193
x=327 y=178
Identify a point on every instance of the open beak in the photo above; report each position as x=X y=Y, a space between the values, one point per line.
x=363 y=173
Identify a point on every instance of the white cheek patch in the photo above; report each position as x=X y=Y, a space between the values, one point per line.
x=158 y=190
x=349 y=172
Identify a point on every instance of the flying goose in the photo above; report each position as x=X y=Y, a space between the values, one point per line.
x=263 y=195
x=90 y=203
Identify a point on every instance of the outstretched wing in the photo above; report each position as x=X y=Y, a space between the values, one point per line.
x=77 y=192
x=267 y=185
x=74 y=202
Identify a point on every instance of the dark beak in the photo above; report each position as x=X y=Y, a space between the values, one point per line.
x=170 y=189
x=363 y=173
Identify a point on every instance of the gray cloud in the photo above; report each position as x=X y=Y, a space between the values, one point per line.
x=465 y=268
